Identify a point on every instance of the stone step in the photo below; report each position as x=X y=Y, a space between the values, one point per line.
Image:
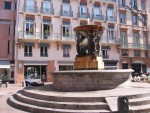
x=36 y=109
x=61 y=105
x=139 y=101
x=138 y=96
x=140 y=109
x=62 y=98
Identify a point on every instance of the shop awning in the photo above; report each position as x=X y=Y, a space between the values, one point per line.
x=4 y=64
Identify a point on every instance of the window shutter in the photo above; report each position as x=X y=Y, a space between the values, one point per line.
x=35 y=6
x=71 y=13
x=52 y=11
x=41 y=30
x=42 y=7
x=35 y=30
x=51 y=30
x=61 y=31
x=88 y=16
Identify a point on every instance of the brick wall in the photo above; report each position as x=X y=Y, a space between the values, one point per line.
x=50 y=67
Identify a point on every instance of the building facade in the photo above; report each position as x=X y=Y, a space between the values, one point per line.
x=134 y=33
x=45 y=40
x=7 y=37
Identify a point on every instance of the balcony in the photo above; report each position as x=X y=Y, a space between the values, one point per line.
x=110 y=1
x=31 y=9
x=66 y=13
x=64 y=37
x=27 y=35
x=84 y=15
x=111 y=19
x=109 y=40
x=47 y=11
x=98 y=17
x=135 y=46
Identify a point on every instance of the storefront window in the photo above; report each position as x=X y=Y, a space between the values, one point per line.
x=35 y=72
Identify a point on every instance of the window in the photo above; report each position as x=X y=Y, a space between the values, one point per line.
x=46 y=6
x=46 y=29
x=122 y=18
x=146 y=54
x=124 y=38
x=28 y=50
x=43 y=51
x=8 y=46
x=105 y=53
x=122 y=3
x=110 y=11
x=29 y=27
x=137 y=53
x=30 y=5
x=96 y=10
x=83 y=10
x=9 y=30
x=7 y=5
x=66 y=29
x=66 y=8
x=124 y=53
x=111 y=32
x=134 y=4
x=15 y=6
x=66 y=48
x=136 y=39
x=145 y=38
x=65 y=67
x=143 y=4
x=135 y=20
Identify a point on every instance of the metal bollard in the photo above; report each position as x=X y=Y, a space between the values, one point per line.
x=7 y=83
x=123 y=104
x=23 y=84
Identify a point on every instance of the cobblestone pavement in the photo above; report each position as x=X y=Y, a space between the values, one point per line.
x=4 y=94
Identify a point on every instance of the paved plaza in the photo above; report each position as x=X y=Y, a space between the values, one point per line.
x=125 y=89
x=4 y=94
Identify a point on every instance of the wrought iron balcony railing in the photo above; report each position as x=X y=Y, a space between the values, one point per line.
x=47 y=11
x=136 y=46
x=66 y=13
x=30 y=9
x=110 y=1
x=46 y=36
x=83 y=15
x=111 y=18
x=109 y=40
x=98 y=17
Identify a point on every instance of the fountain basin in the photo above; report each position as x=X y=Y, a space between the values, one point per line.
x=89 y=80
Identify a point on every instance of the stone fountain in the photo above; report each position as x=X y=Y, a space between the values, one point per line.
x=84 y=89
x=89 y=73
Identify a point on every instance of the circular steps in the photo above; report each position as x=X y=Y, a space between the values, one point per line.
x=37 y=103
x=46 y=100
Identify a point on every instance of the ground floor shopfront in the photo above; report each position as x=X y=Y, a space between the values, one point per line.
x=40 y=70
x=7 y=71
x=139 y=65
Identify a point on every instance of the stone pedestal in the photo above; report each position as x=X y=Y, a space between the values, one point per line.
x=88 y=63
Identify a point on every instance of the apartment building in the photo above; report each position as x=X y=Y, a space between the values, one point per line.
x=134 y=34
x=45 y=40
x=7 y=37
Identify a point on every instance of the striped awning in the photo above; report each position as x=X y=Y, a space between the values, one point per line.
x=5 y=64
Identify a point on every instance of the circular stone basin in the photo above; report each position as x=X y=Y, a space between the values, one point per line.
x=89 y=80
